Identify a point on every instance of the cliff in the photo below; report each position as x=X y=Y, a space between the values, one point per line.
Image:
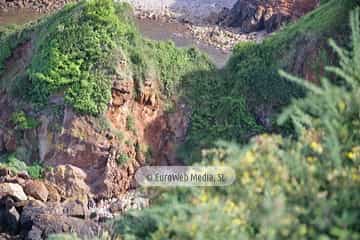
x=85 y=97
x=269 y=15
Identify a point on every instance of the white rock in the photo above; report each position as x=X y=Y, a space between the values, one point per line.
x=12 y=189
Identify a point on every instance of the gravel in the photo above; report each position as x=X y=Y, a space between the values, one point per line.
x=194 y=11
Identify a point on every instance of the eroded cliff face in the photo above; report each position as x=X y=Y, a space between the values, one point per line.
x=135 y=131
x=269 y=15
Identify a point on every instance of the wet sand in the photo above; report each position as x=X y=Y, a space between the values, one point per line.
x=177 y=33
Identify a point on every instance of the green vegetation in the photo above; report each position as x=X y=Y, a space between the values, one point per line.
x=245 y=97
x=10 y=37
x=74 y=56
x=302 y=186
x=77 y=51
x=122 y=159
x=305 y=186
x=14 y=164
x=254 y=67
x=130 y=123
x=215 y=113
x=23 y=122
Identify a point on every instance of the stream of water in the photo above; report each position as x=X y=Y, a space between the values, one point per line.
x=150 y=29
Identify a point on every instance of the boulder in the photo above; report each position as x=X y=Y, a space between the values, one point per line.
x=37 y=190
x=53 y=195
x=75 y=208
x=38 y=222
x=269 y=15
x=69 y=179
x=12 y=189
x=11 y=220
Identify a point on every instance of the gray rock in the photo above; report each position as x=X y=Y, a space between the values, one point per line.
x=41 y=221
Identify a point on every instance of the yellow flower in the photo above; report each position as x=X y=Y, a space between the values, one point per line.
x=354 y=153
x=229 y=207
x=238 y=221
x=249 y=157
x=351 y=155
x=355 y=177
x=355 y=174
x=311 y=159
x=245 y=178
x=316 y=147
x=342 y=106
x=204 y=198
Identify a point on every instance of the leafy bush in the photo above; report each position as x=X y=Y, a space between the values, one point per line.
x=245 y=97
x=216 y=114
x=301 y=187
x=253 y=68
x=77 y=51
x=13 y=163
x=74 y=57
x=23 y=122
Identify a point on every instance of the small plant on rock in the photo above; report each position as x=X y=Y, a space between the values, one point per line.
x=122 y=158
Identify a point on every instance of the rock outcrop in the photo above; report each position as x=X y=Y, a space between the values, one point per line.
x=41 y=6
x=83 y=152
x=37 y=190
x=269 y=15
x=29 y=211
x=13 y=190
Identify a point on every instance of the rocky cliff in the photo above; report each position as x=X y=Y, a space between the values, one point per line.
x=269 y=15
x=90 y=118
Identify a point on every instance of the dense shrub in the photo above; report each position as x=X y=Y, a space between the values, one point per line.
x=254 y=67
x=216 y=114
x=245 y=98
x=23 y=122
x=301 y=187
x=74 y=57
x=13 y=163
x=77 y=51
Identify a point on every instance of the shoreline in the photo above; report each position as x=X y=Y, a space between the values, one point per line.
x=201 y=28
x=213 y=35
